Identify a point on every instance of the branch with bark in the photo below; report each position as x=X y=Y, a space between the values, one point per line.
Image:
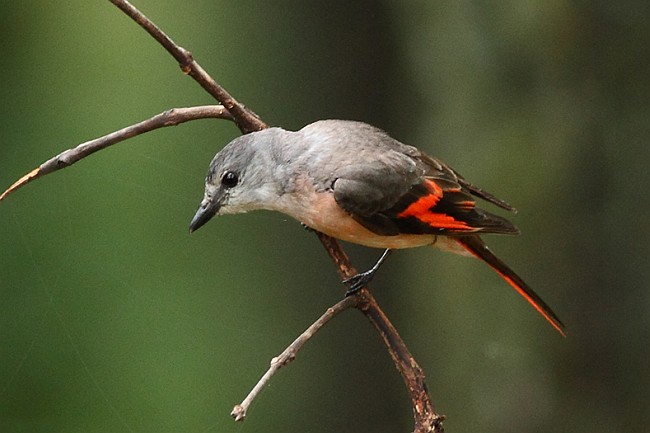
x=425 y=417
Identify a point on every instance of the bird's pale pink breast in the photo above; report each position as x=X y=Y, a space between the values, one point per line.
x=322 y=213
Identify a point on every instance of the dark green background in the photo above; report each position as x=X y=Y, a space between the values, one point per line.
x=113 y=318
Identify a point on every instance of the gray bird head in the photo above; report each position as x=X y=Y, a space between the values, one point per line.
x=240 y=177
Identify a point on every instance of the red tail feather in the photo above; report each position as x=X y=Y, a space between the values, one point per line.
x=477 y=247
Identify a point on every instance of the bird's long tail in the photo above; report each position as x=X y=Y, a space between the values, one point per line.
x=476 y=246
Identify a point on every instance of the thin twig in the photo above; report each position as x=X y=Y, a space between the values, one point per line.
x=68 y=157
x=246 y=120
x=289 y=354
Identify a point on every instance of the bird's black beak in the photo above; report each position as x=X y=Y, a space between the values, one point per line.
x=206 y=211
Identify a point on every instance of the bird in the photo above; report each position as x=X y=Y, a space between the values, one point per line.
x=354 y=182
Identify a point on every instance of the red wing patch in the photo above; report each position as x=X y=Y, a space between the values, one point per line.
x=437 y=206
x=423 y=209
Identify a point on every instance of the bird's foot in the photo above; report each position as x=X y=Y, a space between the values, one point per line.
x=358 y=281
x=361 y=280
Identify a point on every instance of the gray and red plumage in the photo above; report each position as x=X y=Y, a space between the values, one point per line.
x=354 y=182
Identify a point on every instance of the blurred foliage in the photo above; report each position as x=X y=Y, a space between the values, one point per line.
x=113 y=318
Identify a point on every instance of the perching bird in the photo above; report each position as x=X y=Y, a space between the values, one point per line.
x=354 y=182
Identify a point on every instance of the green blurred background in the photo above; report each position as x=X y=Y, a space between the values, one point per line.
x=113 y=318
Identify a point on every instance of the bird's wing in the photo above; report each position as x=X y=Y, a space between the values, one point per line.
x=414 y=194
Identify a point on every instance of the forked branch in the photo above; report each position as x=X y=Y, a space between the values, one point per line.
x=426 y=419
x=246 y=120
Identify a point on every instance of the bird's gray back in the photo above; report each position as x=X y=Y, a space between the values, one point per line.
x=342 y=148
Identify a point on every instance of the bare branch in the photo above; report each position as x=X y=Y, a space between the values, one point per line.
x=246 y=120
x=289 y=354
x=68 y=157
x=426 y=420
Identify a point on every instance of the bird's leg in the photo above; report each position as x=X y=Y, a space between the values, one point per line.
x=357 y=282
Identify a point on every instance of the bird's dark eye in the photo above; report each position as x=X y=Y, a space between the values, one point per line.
x=229 y=179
